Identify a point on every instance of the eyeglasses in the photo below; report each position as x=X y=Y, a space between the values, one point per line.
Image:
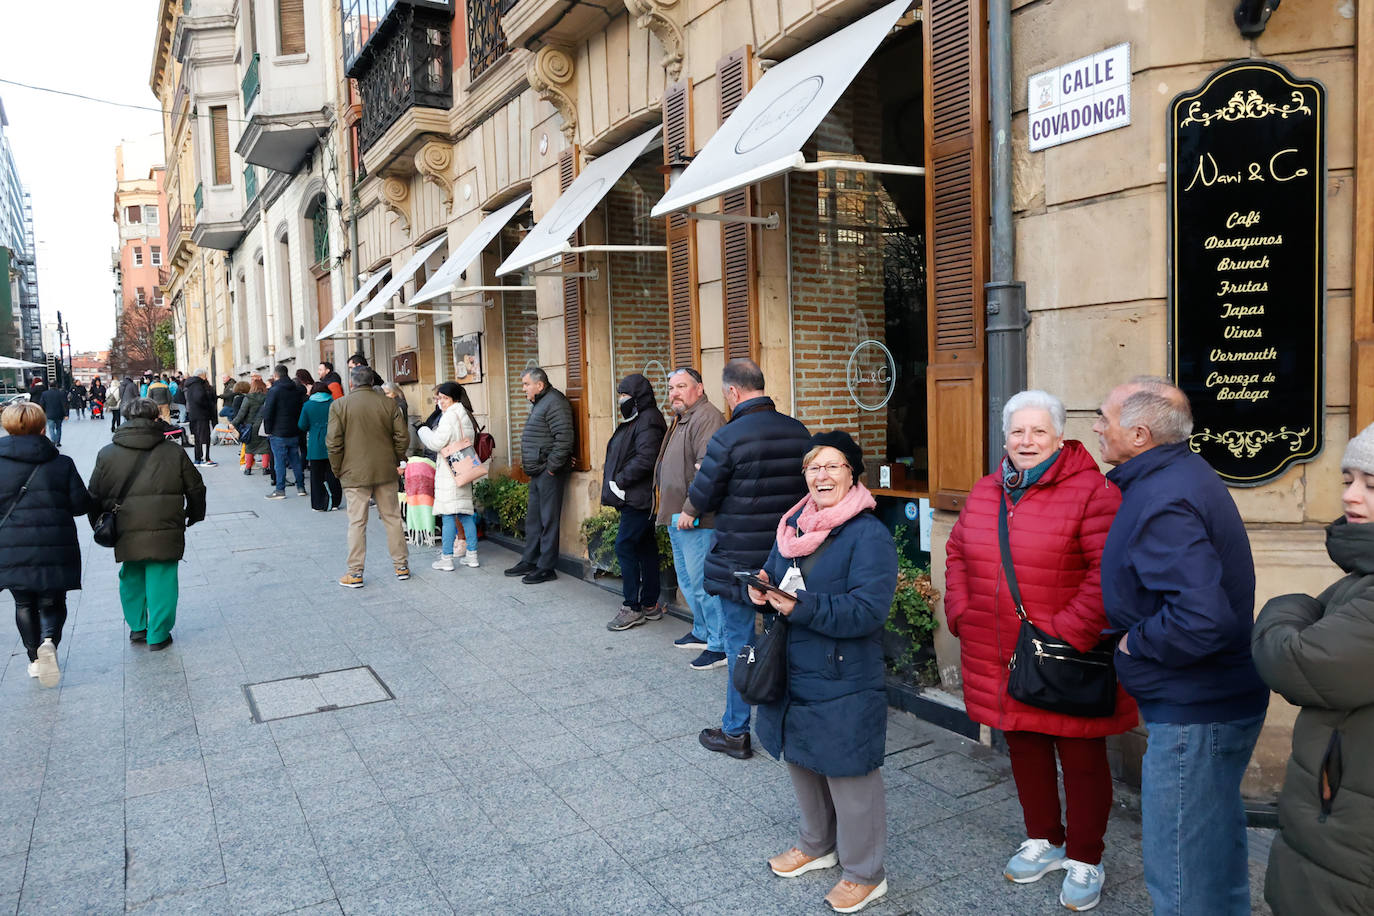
x=830 y=469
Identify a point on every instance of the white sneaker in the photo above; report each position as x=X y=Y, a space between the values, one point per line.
x=1082 y=885
x=1033 y=860
x=470 y=559
x=48 y=673
x=33 y=669
x=445 y=562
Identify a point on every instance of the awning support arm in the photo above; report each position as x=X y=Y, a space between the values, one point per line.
x=573 y=274
x=857 y=165
x=771 y=221
x=480 y=303
x=488 y=289
x=614 y=249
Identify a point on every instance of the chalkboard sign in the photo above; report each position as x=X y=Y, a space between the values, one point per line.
x=1247 y=179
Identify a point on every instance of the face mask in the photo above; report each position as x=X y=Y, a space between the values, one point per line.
x=627 y=408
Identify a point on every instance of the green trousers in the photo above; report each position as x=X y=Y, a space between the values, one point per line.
x=148 y=591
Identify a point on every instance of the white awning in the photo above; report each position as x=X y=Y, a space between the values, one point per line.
x=398 y=279
x=446 y=277
x=336 y=323
x=766 y=133
x=550 y=236
x=9 y=362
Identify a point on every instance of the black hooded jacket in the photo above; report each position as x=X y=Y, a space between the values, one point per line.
x=633 y=449
x=38 y=546
x=200 y=400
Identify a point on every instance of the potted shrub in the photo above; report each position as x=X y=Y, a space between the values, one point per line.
x=511 y=503
x=908 y=643
x=599 y=530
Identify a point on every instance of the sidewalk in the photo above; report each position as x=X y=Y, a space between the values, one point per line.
x=531 y=762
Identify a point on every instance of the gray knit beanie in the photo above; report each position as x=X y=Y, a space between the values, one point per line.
x=1359 y=453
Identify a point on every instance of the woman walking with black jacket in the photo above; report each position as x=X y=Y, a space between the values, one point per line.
x=628 y=485
x=40 y=559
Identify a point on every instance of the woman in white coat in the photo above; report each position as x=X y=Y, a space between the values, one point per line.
x=452 y=503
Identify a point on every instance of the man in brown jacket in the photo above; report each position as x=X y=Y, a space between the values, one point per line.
x=695 y=420
x=367 y=440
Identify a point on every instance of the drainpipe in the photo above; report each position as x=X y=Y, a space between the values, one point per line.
x=1006 y=297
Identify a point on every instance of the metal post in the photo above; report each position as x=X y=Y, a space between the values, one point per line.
x=1007 y=318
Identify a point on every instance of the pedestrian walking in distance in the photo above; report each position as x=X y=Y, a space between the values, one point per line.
x=1178 y=582
x=830 y=725
x=1318 y=653
x=546 y=447
x=452 y=502
x=54 y=404
x=200 y=413
x=695 y=421
x=326 y=493
x=367 y=440
x=748 y=479
x=628 y=485
x=160 y=494
x=40 y=558
x=1058 y=509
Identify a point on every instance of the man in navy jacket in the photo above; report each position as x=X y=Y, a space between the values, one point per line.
x=281 y=411
x=1178 y=583
x=750 y=477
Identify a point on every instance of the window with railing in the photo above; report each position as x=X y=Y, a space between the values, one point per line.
x=250 y=183
x=409 y=66
x=361 y=19
x=250 y=84
x=486 y=41
x=200 y=197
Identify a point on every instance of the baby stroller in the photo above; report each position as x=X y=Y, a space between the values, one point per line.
x=97 y=409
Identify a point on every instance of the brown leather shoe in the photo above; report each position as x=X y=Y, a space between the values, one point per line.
x=794 y=862
x=848 y=897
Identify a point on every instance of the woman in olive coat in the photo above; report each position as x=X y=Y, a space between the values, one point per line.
x=166 y=495
x=248 y=413
x=1318 y=652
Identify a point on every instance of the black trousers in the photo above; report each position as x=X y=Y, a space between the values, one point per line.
x=325 y=490
x=114 y=419
x=200 y=433
x=39 y=616
x=542 y=516
x=636 y=547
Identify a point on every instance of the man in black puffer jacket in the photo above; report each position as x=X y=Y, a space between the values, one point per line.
x=628 y=485
x=546 y=446
x=281 y=412
x=750 y=477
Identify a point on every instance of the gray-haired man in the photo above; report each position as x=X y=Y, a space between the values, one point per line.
x=546 y=447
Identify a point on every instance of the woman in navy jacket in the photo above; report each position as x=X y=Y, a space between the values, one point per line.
x=40 y=558
x=831 y=723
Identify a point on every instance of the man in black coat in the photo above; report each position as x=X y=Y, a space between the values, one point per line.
x=546 y=447
x=281 y=412
x=54 y=404
x=200 y=413
x=750 y=477
x=628 y=485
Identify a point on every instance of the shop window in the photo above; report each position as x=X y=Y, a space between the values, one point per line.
x=639 y=301
x=858 y=273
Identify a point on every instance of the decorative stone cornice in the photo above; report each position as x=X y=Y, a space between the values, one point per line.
x=653 y=16
x=551 y=72
x=395 y=196
x=433 y=162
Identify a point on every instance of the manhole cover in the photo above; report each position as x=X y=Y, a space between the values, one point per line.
x=311 y=693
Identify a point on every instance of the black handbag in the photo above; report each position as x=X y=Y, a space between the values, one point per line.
x=1048 y=673
x=106 y=527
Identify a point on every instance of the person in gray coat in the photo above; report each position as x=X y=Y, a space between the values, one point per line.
x=546 y=447
x=1317 y=652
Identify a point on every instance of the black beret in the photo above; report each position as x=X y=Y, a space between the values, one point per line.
x=842 y=442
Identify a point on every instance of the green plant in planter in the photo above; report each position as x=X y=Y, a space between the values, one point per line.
x=512 y=501
x=912 y=616
x=600 y=529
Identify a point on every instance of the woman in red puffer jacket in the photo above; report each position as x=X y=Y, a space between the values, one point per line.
x=1060 y=508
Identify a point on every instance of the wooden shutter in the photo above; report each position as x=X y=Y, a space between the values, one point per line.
x=291 y=26
x=957 y=217
x=219 y=129
x=738 y=290
x=684 y=341
x=574 y=325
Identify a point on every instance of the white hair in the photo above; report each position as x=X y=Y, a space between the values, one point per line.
x=1160 y=406
x=1037 y=400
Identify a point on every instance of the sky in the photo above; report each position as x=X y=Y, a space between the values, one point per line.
x=65 y=147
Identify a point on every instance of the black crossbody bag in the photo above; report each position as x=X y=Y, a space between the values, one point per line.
x=1048 y=673
x=106 y=527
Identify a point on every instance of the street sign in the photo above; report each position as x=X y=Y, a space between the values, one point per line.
x=1084 y=97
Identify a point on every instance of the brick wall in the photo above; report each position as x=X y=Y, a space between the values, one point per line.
x=639 y=282
x=520 y=329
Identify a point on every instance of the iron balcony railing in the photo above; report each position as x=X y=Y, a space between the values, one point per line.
x=408 y=65
x=486 y=41
x=200 y=197
x=250 y=182
x=250 y=82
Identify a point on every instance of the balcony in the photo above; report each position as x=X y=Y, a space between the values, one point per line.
x=407 y=63
x=216 y=213
x=251 y=84
x=250 y=183
x=285 y=96
x=179 y=226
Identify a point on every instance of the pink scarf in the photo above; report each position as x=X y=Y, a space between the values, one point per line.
x=818 y=522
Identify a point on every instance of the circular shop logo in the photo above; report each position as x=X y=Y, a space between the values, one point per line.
x=871 y=375
x=568 y=218
x=780 y=113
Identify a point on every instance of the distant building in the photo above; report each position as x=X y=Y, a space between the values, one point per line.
x=140 y=211
x=20 y=324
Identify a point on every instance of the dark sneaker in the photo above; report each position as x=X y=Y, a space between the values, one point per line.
x=521 y=569
x=300 y=491
x=159 y=646
x=138 y=636
x=654 y=612
x=628 y=617
x=689 y=642
x=540 y=575
x=737 y=746
x=209 y=464
x=708 y=660
x=276 y=494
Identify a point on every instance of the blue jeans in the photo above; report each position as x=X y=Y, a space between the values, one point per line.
x=636 y=547
x=690 y=546
x=1192 y=818
x=738 y=629
x=286 y=450
x=449 y=527
x=55 y=431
